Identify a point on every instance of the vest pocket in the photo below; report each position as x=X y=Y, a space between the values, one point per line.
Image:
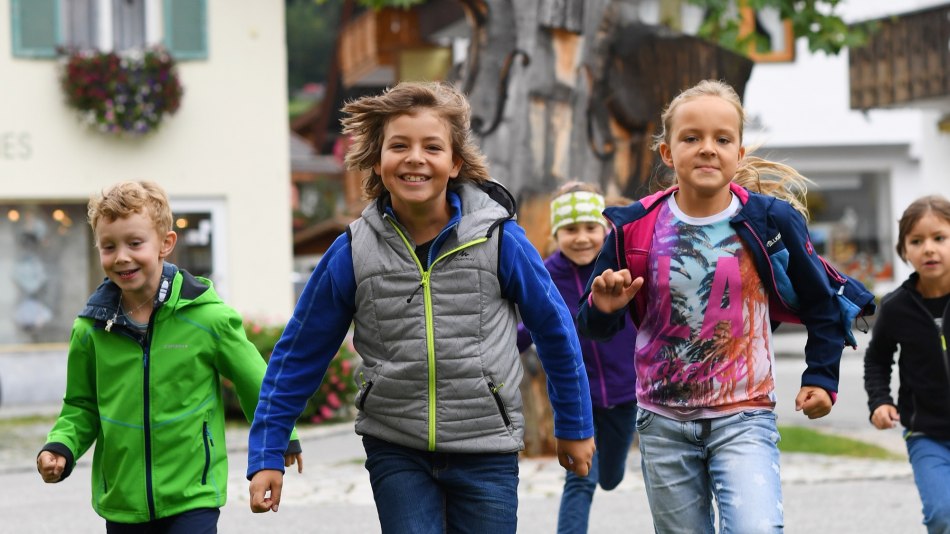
x=363 y=393
x=501 y=405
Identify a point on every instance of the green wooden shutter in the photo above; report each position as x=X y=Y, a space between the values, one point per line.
x=35 y=27
x=186 y=28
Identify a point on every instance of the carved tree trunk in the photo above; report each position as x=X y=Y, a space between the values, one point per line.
x=572 y=90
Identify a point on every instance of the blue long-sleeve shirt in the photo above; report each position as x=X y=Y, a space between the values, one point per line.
x=325 y=311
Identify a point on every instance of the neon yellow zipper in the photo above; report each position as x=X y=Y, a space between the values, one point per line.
x=430 y=331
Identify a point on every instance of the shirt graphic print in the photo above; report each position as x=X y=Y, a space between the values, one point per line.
x=704 y=347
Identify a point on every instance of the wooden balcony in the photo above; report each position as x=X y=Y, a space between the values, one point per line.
x=371 y=42
x=906 y=61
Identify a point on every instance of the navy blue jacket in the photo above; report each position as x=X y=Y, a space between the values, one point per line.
x=802 y=286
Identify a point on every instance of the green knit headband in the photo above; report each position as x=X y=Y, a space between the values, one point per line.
x=575 y=207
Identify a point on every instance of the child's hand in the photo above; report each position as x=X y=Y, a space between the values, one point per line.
x=813 y=401
x=265 y=490
x=885 y=416
x=575 y=454
x=51 y=466
x=291 y=459
x=612 y=290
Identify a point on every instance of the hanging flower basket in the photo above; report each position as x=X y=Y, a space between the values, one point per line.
x=126 y=94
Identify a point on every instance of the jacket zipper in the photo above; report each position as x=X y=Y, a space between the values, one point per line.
x=366 y=387
x=501 y=405
x=430 y=334
x=147 y=427
x=945 y=359
x=209 y=442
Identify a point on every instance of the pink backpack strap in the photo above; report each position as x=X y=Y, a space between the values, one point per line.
x=637 y=242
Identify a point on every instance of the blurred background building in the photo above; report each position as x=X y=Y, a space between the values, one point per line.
x=223 y=156
x=561 y=90
x=869 y=125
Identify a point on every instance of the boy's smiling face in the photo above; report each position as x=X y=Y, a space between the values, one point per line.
x=417 y=161
x=131 y=252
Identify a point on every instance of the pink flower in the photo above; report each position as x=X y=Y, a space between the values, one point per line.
x=326 y=412
x=345 y=366
x=333 y=400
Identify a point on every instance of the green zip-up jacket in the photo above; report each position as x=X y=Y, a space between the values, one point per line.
x=152 y=403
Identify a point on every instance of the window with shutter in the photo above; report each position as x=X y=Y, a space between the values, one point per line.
x=186 y=28
x=128 y=24
x=35 y=25
x=40 y=27
x=80 y=24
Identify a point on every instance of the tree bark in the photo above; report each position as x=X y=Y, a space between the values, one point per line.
x=573 y=90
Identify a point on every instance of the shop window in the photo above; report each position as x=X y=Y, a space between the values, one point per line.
x=45 y=271
x=193 y=252
x=850 y=226
x=50 y=265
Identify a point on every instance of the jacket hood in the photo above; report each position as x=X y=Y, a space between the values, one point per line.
x=103 y=304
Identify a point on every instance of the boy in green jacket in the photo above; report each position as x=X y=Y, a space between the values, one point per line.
x=143 y=382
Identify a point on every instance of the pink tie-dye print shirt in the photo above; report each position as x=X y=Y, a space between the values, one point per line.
x=704 y=346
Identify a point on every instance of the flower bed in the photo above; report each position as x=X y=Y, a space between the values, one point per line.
x=333 y=400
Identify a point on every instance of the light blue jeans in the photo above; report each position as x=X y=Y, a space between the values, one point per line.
x=732 y=459
x=930 y=460
x=613 y=435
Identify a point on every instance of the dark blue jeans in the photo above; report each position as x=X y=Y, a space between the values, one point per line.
x=421 y=492
x=613 y=434
x=198 y=521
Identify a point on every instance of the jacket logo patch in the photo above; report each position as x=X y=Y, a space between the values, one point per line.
x=808 y=248
x=175 y=346
x=464 y=256
x=774 y=240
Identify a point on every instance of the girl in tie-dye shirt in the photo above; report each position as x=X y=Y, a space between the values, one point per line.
x=705 y=267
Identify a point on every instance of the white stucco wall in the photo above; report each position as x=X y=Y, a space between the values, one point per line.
x=800 y=113
x=227 y=145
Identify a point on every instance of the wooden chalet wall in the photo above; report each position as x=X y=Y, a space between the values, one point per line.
x=905 y=60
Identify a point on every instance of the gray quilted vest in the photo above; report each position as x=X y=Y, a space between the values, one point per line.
x=440 y=366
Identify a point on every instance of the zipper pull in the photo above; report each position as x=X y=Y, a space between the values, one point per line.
x=208 y=433
x=414 y=293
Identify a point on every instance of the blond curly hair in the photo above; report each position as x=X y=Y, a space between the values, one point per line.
x=125 y=198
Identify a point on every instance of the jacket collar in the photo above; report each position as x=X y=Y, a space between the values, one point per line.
x=103 y=304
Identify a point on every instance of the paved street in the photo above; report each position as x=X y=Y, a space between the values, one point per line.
x=821 y=493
